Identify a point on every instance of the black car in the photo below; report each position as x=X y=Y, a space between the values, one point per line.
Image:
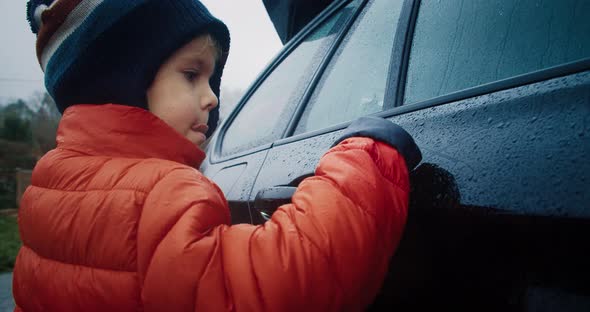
x=497 y=96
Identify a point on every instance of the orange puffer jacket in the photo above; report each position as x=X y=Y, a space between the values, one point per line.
x=117 y=219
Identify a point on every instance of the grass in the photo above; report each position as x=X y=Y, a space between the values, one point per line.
x=9 y=242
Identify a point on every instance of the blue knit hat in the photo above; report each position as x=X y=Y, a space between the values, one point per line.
x=109 y=51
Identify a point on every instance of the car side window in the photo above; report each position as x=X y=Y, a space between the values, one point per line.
x=462 y=44
x=266 y=114
x=354 y=82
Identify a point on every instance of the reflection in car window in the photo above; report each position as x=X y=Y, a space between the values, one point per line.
x=355 y=80
x=461 y=44
x=268 y=111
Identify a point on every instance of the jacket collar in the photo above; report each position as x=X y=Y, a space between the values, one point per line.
x=124 y=131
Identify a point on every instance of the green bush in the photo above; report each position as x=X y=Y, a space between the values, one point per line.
x=9 y=242
x=7 y=189
x=8 y=201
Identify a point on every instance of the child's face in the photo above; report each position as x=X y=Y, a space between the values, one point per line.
x=180 y=94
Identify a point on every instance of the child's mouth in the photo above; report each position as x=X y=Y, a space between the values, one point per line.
x=203 y=128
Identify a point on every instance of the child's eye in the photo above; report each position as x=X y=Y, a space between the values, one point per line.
x=190 y=75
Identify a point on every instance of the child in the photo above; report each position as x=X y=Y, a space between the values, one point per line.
x=118 y=219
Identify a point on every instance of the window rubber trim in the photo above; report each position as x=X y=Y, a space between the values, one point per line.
x=317 y=76
x=216 y=155
x=394 y=73
x=565 y=69
x=398 y=67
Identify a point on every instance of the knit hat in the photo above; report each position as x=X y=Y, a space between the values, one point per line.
x=109 y=51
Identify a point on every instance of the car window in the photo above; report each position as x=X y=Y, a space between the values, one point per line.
x=461 y=44
x=268 y=111
x=354 y=82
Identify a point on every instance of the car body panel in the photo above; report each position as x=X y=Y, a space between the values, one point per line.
x=236 y=177
x=516 y=205
x=499 y=213
x=515 y=136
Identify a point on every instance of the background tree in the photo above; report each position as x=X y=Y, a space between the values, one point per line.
x=16 y=122
x=16 y=129
x=27 y=132
x=44 y=124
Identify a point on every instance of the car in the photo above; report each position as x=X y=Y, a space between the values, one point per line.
x=497 y=96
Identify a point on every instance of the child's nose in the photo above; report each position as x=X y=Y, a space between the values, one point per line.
x=210 y=100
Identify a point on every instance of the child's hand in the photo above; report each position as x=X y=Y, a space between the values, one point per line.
x=385 y=131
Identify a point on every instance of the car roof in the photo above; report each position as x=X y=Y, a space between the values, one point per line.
x=290 y=16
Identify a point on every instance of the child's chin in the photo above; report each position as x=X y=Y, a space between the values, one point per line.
x=197 y=138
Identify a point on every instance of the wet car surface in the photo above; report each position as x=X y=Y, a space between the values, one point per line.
x=497 y=96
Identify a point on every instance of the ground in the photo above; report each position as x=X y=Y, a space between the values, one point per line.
x=9 y=245
x=6 y=301
x=9 y=240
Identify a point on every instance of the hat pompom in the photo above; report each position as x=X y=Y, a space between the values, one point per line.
x=34 y=10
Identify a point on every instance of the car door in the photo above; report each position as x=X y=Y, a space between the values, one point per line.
x=356 y=72
x=236 y=152
x=497 y=95
x=503 y=116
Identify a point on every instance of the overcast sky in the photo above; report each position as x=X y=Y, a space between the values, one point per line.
x=253 y=44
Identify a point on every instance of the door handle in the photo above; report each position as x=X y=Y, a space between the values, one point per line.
x=269 y=199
